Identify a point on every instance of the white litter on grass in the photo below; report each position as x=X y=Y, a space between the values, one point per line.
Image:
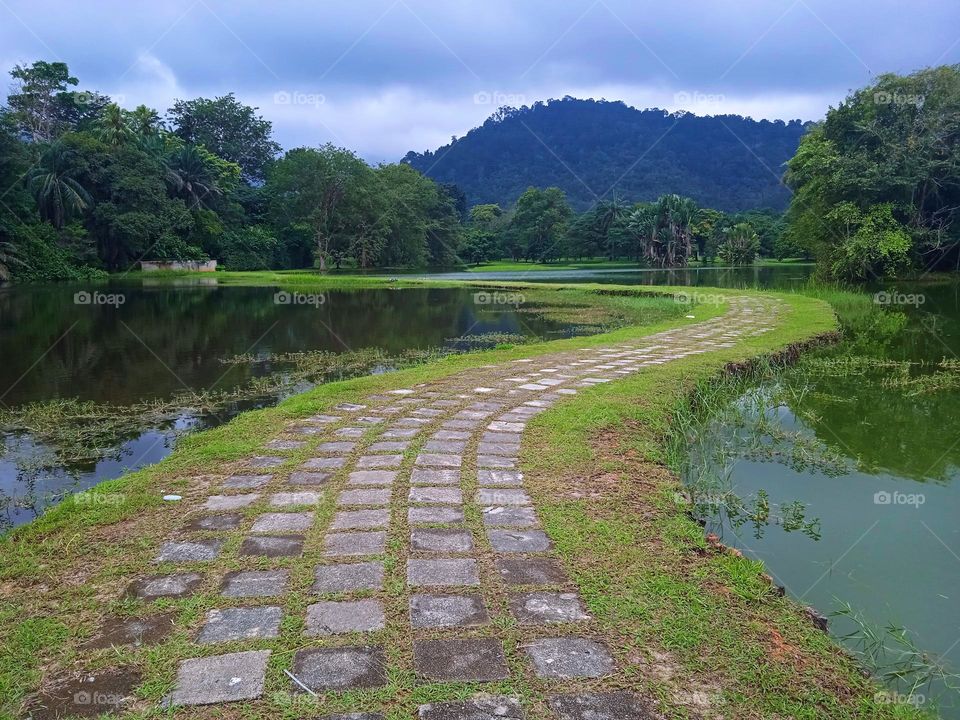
x=172 y=498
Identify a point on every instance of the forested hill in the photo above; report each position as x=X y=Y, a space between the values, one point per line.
x=590 y=148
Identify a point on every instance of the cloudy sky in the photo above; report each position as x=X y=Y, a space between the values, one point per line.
x=387 y=76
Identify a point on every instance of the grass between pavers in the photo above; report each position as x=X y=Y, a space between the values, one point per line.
x=63 y=572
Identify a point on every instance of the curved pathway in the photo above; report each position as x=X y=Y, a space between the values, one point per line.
x=427 y=477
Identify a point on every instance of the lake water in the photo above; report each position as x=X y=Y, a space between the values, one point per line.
x=882 y=407
x=780 y=277
x=130 y=343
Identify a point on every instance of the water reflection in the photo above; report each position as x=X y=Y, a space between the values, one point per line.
x=885 y=402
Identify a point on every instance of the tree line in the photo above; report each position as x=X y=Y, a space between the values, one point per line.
x=670 y=232
x=94 y=188
x=877 y=183
x=91 y=188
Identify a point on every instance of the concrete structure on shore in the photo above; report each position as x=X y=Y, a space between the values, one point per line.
x=189 y=265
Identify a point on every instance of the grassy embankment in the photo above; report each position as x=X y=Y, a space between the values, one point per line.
x=697 y=625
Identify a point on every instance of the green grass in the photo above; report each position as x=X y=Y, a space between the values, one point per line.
x=641 y=564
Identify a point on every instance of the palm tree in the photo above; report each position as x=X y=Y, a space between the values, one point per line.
x=144 y=121
x=54 y=185
x=112 y=128
x=190 y=176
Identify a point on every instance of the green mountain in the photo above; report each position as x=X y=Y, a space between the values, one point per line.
x=595 y=148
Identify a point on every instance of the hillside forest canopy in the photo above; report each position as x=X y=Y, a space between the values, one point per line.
x=92 y=188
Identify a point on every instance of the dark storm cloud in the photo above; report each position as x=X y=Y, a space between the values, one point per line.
x=386 y=76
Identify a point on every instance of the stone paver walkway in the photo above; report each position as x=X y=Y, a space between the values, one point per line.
x=415 y=509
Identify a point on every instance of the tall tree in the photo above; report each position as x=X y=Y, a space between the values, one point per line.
x=37 y=99
x=55 y=185
x=111 y=128
x=308 y=188
x=191 y=176
x=740 y=244
x=662 y=231
x=228 y=128
x=540 y=223
x=886 y=163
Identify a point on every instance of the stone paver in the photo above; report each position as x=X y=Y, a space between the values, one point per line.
x=566 y=658
x=502 y=496
x=100 y=693
x=240 y=623
x=230 y=502
x=340 y=668
x=360 y=519
x=421 y=476
x=265 y=461
x=221 y=678
x=519 y=541
x=602 y=706
x=308 y=477
x=325 y=463
x=272 y=545
x=282 y=522
x=476 y=660
x=547 y=607
x=435 y=495
x=364 y=497
x=230 y=521
x=379 y=461
x=499 y=516
x=189 y=551
x=435 y=611
x=389 y=446
x=480 y=708
x=441 y=540
x=119 y=632
x=255 y=583
x=441 y=515
x=246 y=482
x=530 y=571
x=171 y=586
x=334 y=618
x=290 y=499
x=442 y=572
x=430 y=459
x=336 y=447
x=348 y=577
x=355 y=543
x=372 y=477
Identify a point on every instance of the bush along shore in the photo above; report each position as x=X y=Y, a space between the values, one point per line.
x=496 y=532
